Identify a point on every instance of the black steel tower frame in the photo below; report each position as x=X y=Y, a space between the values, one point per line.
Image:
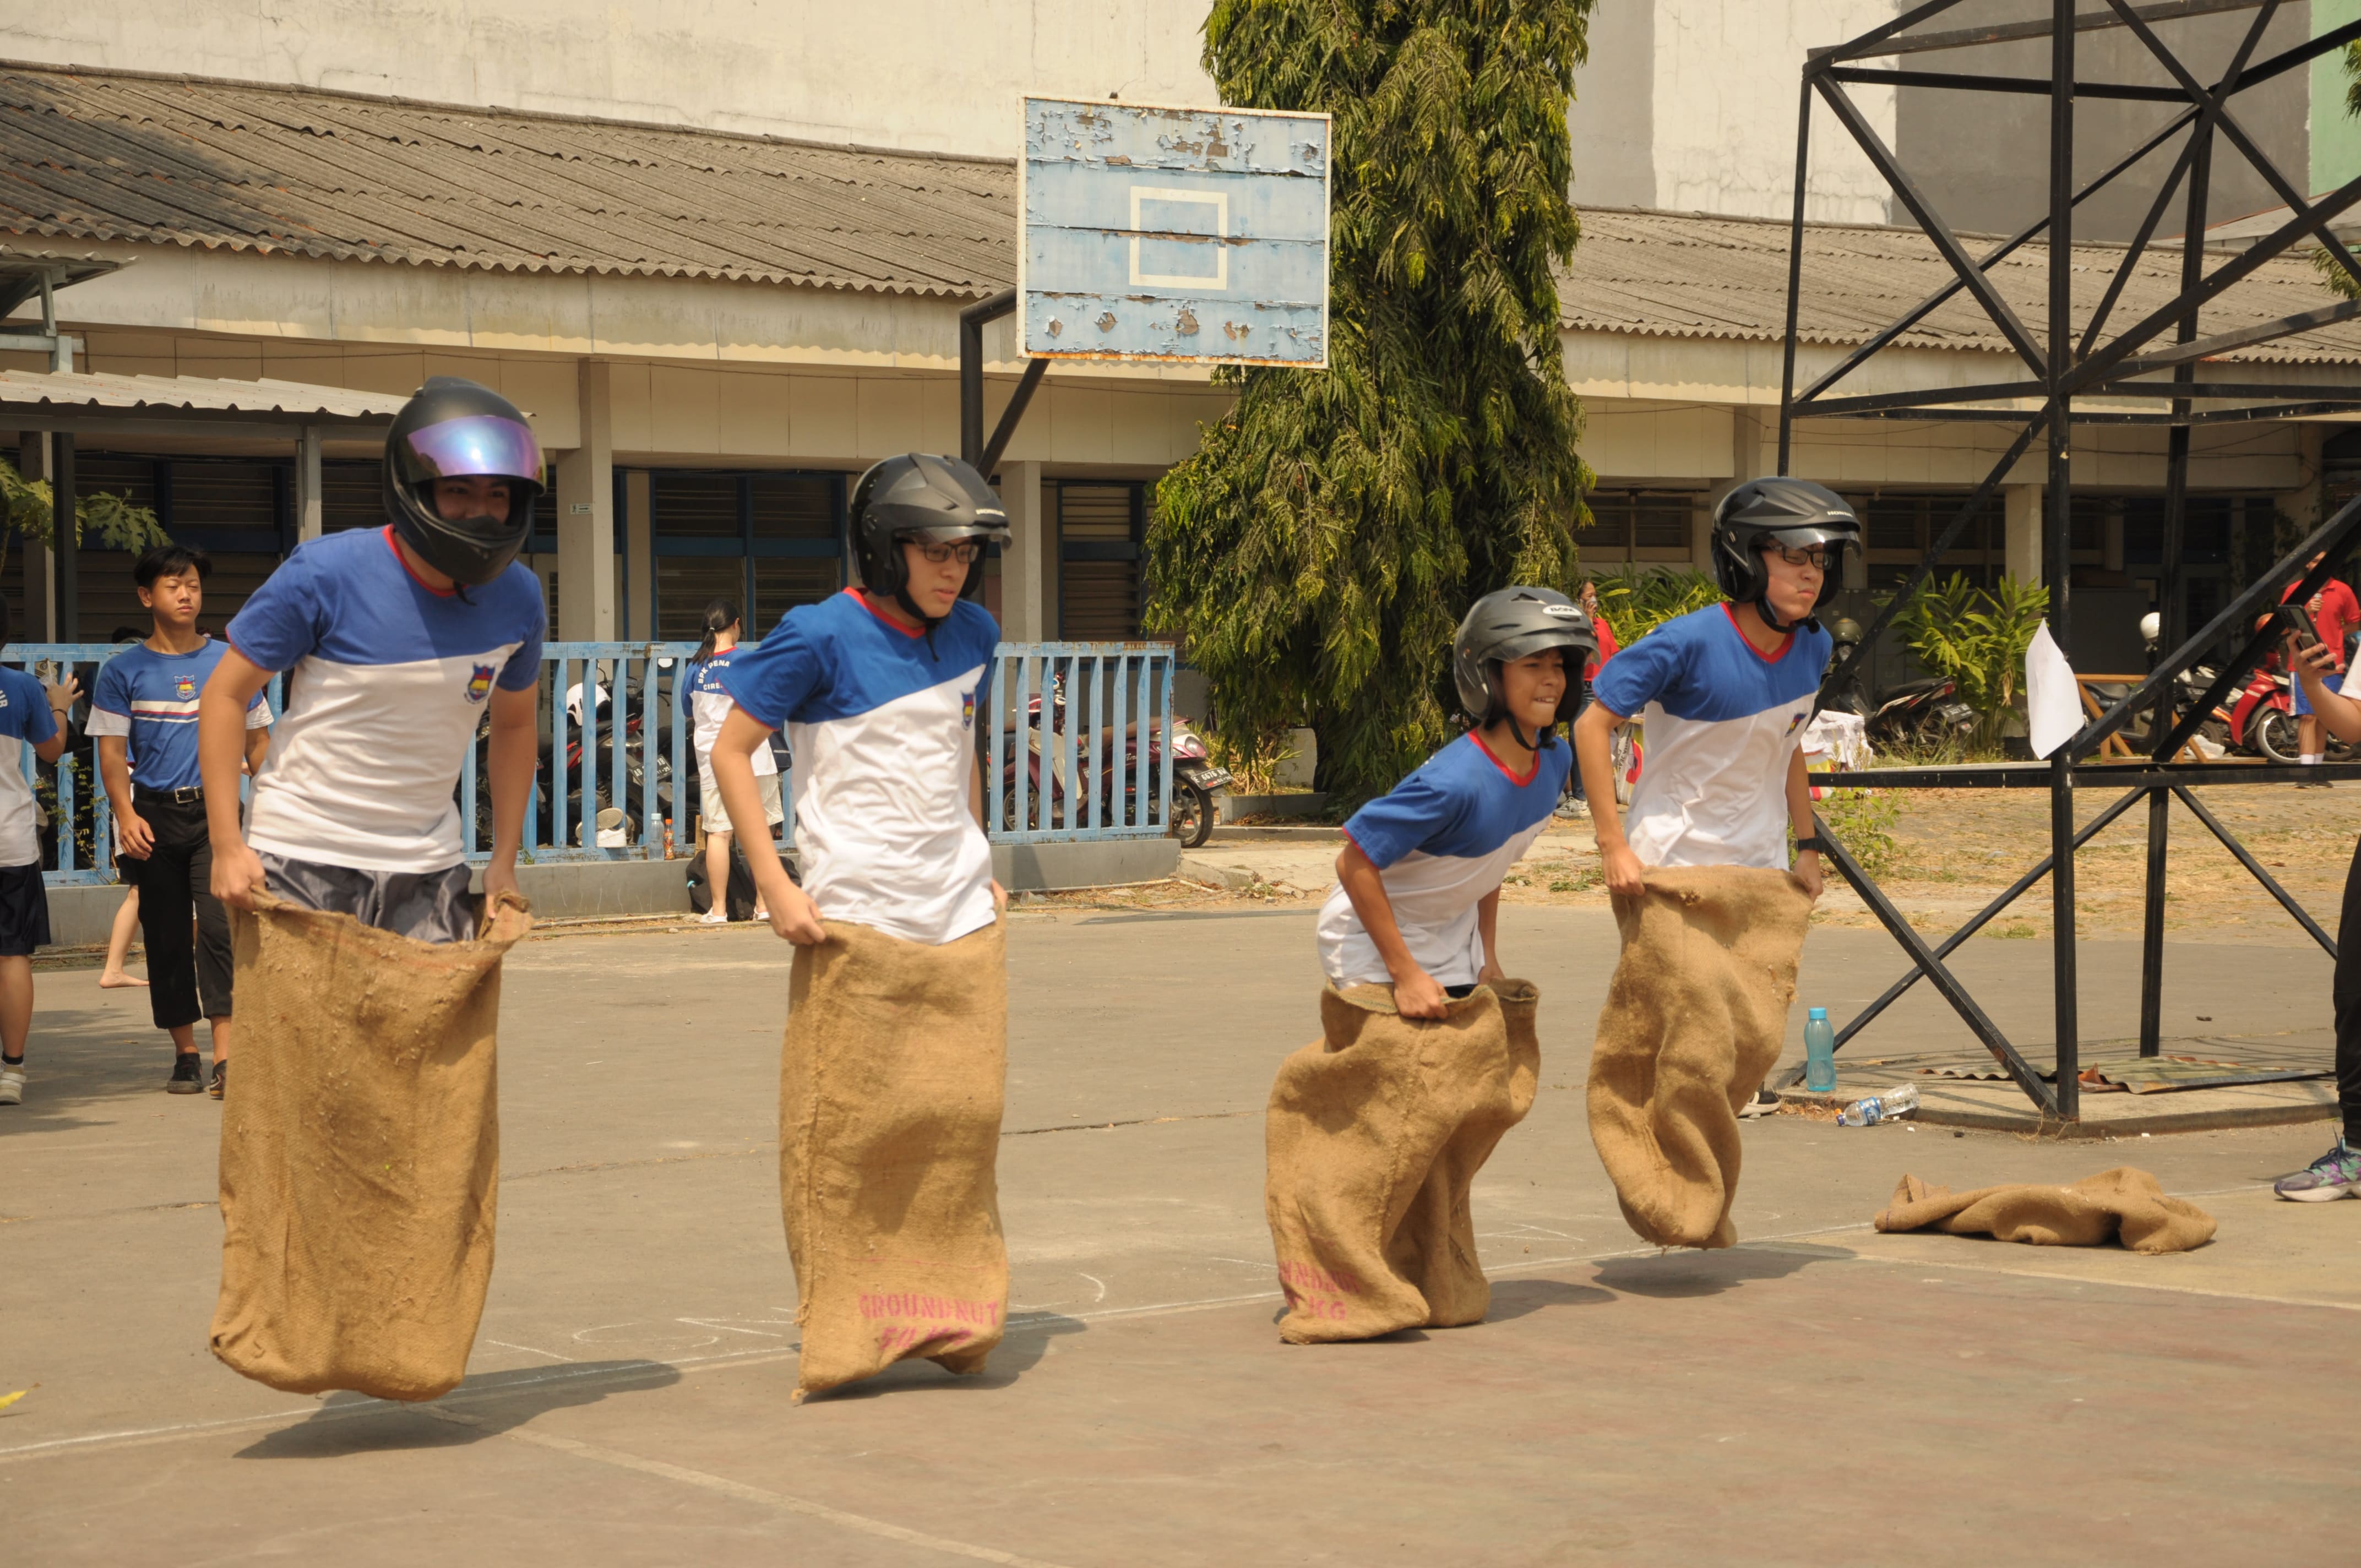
x=2064 y=371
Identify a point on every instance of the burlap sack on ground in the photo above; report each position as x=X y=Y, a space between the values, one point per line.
x=359 y=1152
x=890 y=1086
x=2124 y=1204
x=1374 y=1134
x=1695 y=1017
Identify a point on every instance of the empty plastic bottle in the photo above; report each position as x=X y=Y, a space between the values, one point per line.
x=1880 y=1107
x=1819 y=1052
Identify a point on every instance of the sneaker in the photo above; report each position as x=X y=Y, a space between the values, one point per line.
x=714 y=917
x=1574 y=810
x=2336 y=1174
x=1764 y=1103
x=11 y=1085
x=220 y=1079
x=188 y=1074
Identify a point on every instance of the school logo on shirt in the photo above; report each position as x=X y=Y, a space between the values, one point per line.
x=184 y=686
x=1797 y=718
x=479 y=685
x=967 y=711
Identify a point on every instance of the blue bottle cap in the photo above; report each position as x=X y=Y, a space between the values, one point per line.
x=1820 y=1014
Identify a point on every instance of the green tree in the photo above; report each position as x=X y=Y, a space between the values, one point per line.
x=2331 y=270
x=1977 y=639
x=27 y=509
x=1320 y=547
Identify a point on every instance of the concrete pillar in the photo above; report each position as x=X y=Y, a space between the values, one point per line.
x=2305 y=506
x=40 y=570
x=586 y=519
x=639 y=556
x=2111 y=539
x=1029 y=563
x=1747 y=461
x=2021 y=557
x=309 y=508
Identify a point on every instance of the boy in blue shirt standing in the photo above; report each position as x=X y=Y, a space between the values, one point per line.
x=145 y=716
x=893 y=1070
x=398 y=639
x=1417 y=900
x=1726 y=692
x=29 y=711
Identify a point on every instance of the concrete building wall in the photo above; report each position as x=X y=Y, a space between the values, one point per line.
x=909 y=73
x=1708 y=122
x=1983 y=158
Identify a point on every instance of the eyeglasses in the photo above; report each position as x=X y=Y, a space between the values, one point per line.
x=967 y=553
x=1815 y=556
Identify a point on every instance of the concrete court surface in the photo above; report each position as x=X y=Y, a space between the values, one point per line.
x=1818 y=1395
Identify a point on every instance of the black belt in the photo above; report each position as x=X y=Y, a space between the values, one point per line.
x=192 y=795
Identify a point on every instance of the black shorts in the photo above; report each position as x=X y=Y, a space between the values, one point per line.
x=24 y=911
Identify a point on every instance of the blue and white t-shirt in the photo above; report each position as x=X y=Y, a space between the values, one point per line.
x=152 y=699
x=1722 y=719
x=24 y=716
x=706 y=703
x=390 y=679
x=1442 y=840
x=881 y=720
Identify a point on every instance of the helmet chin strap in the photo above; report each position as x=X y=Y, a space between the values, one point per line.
x=902 y=597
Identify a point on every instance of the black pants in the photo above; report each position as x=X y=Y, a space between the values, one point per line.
x=175 y=880
x=2347 y=994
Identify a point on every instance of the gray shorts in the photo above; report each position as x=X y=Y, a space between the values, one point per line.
x=426 y=906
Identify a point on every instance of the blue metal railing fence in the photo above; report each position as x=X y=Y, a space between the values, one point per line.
x=1065 y=789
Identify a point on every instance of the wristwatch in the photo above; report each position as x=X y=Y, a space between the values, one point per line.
x=1814 y=842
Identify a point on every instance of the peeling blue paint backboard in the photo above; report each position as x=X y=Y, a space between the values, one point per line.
x=1192 y=235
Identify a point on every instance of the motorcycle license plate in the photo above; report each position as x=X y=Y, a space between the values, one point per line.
x=1955 y=713
x=1214 y=778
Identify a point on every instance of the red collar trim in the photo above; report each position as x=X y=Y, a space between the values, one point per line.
x=1786 y=638
x=1506 y=771
x=862 y=600
x=396 y=548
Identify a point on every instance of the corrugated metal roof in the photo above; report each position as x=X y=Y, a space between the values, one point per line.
x=1658 y=274
x=247 y=166
x=71 y=391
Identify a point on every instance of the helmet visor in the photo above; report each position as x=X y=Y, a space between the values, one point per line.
x=479 y=445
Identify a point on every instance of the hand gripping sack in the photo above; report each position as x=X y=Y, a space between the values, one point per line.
x=1695 y=1019
x=1374 y=1136
x=891 y=1079
x=359 y=1152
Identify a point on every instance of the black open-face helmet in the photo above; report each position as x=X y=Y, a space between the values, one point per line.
x=452 y=429
x=1507 y=625
x=1792 y=513
x=928 y=499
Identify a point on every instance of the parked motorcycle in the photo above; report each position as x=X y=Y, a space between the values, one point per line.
x=1922 y=712
x=1194 y=776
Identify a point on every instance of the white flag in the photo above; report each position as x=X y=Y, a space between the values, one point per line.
x=2053 y=703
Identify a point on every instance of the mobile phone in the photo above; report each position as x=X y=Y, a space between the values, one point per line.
x=2297 y=621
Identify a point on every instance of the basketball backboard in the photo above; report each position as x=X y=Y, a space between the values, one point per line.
x=1170 y=234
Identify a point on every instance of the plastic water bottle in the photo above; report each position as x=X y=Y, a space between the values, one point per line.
x=1880 y=1107
x=1819 y=1052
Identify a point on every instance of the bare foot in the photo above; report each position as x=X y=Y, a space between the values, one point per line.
x=115 y=980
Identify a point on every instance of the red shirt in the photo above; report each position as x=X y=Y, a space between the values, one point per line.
x=1609 y=647
x=2335 y=613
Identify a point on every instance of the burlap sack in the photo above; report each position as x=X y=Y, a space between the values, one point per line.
x=1695 y=1017
x=890 y=1086
x=359 y=1152
x=2124 y=1204
x=1374 y=1135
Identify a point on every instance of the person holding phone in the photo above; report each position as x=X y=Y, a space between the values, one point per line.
x=2335 y=613
x=2337 y=1173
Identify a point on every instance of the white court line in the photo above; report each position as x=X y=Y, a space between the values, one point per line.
x=529 y=1349
x=1016 y=1324
x=746 y=1494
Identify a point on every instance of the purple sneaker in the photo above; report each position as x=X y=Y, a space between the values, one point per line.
x=2336 y=1174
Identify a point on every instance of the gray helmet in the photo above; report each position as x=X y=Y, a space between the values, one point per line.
x=934 y=500
x=1796 y=513
x=1507 y=625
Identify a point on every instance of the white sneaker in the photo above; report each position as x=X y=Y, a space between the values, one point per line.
x=714 y=917
x=12 y=1086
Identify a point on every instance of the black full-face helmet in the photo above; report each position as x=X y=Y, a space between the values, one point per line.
x=452 y=429
x=1507 y=625
x=931 y=500
x=1792 y=513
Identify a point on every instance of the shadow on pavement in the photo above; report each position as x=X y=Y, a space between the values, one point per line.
x=1676 y=1274
x=479 y=1408
x=1514 y=1299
